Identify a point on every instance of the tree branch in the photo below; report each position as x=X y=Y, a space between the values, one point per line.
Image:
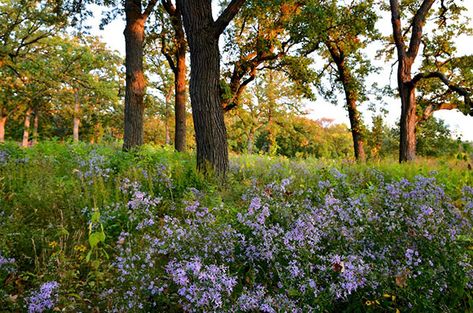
x=169 y=7
x=417 y=27
x=396 y=23
x=149 y=9
x=455 y=88
x=227 y=15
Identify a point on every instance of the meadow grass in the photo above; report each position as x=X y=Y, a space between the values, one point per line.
x=93 y=228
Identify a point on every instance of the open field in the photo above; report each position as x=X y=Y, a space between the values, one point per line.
x=88 y=228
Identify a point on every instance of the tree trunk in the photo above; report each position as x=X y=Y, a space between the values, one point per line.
x=407 y=148
x=209 y=125
x=179 y=68
x=406 y=55
x=356 y=129
x=26 y=129
x=3 y=121
x=354 y=115
x=35 y=127
x=75 y=130
x=180 y=97
x=135 y=80
x=351 y=98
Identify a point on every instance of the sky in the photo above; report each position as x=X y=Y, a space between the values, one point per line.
x=459 y=124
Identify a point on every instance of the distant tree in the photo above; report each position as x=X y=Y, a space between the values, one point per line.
x=269 y=120
x=375 y=138
x=259 y=39
x=71 y=79
x=161 y=80
x=434 y=139
x=339 y=31
x=25 y=25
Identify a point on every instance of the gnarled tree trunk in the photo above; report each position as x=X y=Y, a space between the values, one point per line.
x=356 y=128
x=177 y=62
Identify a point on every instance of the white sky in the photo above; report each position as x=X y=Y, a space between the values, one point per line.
x=457 y=122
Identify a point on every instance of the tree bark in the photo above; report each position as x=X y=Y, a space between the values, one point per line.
x=75 y=130
x=356 y=128
x=180 y=114
x=407 y=148
x=135 y=79
x=26 y=129
x=35 y=127
x=3 y=121
x=203 y=35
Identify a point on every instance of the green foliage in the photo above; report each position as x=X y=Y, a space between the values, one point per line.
x=338 y=32
x=62 y=71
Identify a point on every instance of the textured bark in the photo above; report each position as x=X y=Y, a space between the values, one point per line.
x=203 y=35
x=407 y=148
x=431 y=108
x=26 y=129
x=135 y=80
x=356 y=128
x=3 y=121
x=75 y=130
x=35 y=127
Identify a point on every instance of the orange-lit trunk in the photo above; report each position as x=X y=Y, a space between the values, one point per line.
x=26 y=128
x=135 y=80
x=3 y=121
x=180 y=98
